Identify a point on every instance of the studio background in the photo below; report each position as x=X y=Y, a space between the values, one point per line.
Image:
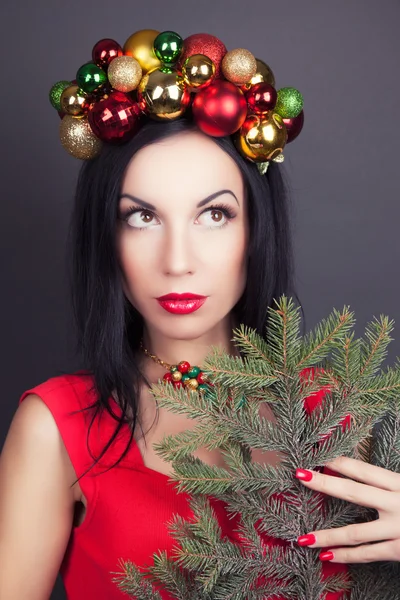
x=344 y=175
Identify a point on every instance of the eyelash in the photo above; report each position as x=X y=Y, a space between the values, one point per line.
x=224 y=208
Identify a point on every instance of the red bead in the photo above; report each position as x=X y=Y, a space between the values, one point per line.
x=178 y=384
x=184 y=366
x=261 y=97
x=105 y=51
x=167 y=376
x=202 y=378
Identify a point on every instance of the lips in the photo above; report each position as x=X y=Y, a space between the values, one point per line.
x=181 y=304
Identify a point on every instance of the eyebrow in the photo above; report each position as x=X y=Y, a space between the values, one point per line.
x=201 y=203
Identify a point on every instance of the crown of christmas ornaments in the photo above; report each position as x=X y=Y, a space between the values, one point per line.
x=162 y=76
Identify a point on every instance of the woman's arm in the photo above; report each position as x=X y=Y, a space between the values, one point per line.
x=36 y=503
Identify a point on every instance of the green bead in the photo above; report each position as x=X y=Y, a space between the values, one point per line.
x=168 y=47
x=289 y=103
x=90 y=77
x=56 y=91
x=185 y=376
x=203 y=386
x=173 y=368
x=193 y=372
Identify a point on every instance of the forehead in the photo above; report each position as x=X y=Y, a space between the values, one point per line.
x=188 y=163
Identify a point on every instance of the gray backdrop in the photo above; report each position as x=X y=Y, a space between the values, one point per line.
x=344 y=58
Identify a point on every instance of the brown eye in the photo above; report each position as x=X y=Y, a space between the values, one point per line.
x=148 y=216
x=219 y=215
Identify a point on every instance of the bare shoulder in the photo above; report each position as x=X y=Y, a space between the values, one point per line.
x=36 y=502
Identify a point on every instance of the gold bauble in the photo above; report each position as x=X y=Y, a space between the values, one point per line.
x=261 y=137
x=73 y=101
x=198 y=71
x=239 y=66
x=140 y=46
x=192 y=384
x=124 y=73
x=176 y=376
x=163 y=94
x=263 y=73
x=78 y=138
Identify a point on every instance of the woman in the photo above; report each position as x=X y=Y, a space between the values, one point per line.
x=173 y=211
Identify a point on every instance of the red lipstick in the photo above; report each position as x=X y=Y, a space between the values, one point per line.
x=181 y=304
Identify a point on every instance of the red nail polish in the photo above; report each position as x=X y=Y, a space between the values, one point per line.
x=326 y=556
x=304 y=474
x=306 y=540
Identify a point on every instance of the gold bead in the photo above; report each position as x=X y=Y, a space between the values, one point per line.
x=124 y=73
x=192 y=383
x=176 y=376
x=73 y=101
x=239 y=66
x=198 y=71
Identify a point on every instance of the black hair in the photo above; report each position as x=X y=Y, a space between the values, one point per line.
x=108 y=327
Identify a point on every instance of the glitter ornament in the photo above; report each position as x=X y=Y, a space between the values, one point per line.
x=239 y=66
x=124 y=73
x=105 y=51
x=289 y=103
x=261 y=97
x=115 y=119
x=56 y=91
x=261 y=137
x=140 y=46
x=198 y=71
x=220 y=109
x=163 y=95
x=90 y=77
x=204 y=43
x=74 y=101
x=294 y=126
x=78 y=138
x=168 y=47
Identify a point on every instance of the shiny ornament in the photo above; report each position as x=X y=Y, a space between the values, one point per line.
x=176 y=376
x=263 y=73
x=198 y=71
x=204 y=43
x=116 y=119
x=239 y=66
x=78 y=138
x=140 y=46
x=261 y=137
x=289 y=103
x=261 y=97
x=90 y=77
x=192 y=384
x=294 y=126
x=168 y=47
x=163 y=95
x=105 y=51
x=74 y=101
x=220 y=109
x=124 y=73
x=55 y=93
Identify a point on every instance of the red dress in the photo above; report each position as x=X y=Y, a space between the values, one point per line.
x=127 y=506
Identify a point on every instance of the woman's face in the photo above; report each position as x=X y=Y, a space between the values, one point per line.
x=177 y=246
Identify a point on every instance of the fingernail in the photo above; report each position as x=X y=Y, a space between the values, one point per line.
x=304 y=474
x=306 y=540
x=326 y=556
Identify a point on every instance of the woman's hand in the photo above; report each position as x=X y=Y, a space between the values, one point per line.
x=380 y=490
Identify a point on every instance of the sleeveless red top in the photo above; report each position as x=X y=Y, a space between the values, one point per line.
x=127 y=506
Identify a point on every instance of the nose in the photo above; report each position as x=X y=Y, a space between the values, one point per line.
x=177 y=252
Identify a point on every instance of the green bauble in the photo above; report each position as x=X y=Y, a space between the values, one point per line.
x=203 y=386
x=173 y=368
x=193 y=372
x=56 y=91
x=185 y=376
x=289 y=103
x=168 y=47
x=90 y=77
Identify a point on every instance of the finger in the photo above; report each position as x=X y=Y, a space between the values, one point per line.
x=367 y=473
x=369 y=553
x=352 y=491
x=350 y=535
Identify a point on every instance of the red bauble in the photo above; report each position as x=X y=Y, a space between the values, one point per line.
x=294 y=126
x=104 y=51
x=167 y=376
x=204 y=43
x=178 y=384
x=219 y=109
x=184 y=366
x=261 y=97
x=115 y=119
